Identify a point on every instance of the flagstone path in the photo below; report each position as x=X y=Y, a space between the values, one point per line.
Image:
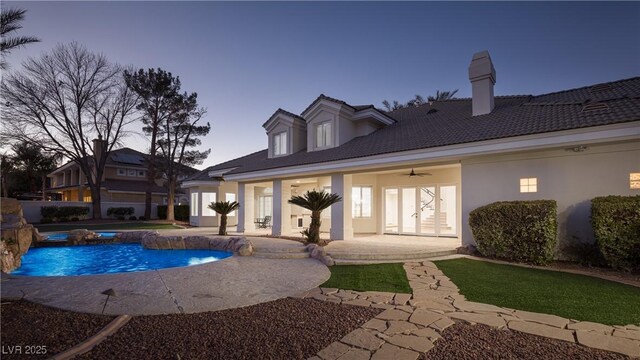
x=412 y=323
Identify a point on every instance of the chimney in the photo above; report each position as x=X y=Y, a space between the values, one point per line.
x=99 y=147
x=483 y=77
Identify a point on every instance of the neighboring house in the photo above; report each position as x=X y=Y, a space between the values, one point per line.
x=421 y=170
x=124 y=180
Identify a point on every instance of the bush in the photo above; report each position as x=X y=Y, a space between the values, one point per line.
x=133 y=218
x=46 y=221
x=142 y=218
x=63 y=213
x=524 y=231
x=616 y=226
x=75 y=219
x=120 y=212
x=180 y=212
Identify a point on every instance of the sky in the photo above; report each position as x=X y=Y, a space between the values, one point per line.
x=245 y=60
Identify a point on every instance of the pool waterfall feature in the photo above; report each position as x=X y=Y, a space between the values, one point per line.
x=129 y=252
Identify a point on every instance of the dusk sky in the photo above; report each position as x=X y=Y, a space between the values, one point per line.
x=245 y=60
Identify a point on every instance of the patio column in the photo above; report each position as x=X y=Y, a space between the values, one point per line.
x=341 y=216
x=281 y=208
x=246 y=211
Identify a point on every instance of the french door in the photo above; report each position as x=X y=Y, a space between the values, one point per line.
x=421 y=210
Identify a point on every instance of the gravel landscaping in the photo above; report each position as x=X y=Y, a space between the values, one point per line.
x=282 y=329
x=31 y=326
x=464 y=341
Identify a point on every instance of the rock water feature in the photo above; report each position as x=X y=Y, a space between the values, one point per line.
x=16 y=235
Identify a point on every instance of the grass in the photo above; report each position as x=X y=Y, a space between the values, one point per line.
x=378 y=277
x=112 y=226
x=567 y=295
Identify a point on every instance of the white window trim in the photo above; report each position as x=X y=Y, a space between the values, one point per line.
x=194 y=203
x=205 y=204
x=276 y=139
x=370 y=202
x=528 y=185
x=323 y=125
x=233 y=198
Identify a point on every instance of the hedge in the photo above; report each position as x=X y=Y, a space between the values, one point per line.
x=523 y=231
x=63 y=213
x=180 y=212
x=616 y=226
x=120 y=212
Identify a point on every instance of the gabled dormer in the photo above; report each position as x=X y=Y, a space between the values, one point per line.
x=332 y=122
x=287 y=133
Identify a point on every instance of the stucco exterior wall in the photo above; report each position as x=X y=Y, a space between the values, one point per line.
x=571 y=178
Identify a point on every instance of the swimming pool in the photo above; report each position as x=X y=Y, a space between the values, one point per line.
x=64 y=236
x=108 y=259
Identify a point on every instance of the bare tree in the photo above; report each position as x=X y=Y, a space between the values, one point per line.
x=177 y=136
x=64 y=101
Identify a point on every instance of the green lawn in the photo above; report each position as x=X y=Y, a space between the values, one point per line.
x=112 y=226
x=568 y=295
x=378 y=277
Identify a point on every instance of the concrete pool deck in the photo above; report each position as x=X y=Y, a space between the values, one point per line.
x=233 y=282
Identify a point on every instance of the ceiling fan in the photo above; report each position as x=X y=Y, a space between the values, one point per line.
x=413 y=174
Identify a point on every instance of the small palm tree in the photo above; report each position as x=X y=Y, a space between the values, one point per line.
x=316 y=201
x=223 y=208
x=9 y=22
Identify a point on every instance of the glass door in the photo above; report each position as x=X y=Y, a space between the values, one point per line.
x=428 y=210
x=409 y=213
x=391 y=210
x=425 y=210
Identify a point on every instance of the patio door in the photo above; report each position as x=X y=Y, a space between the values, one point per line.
x=429 y=210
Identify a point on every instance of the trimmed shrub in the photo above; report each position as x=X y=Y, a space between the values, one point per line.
x=120 y=212
x=180 y=212
x=616 y=226
x=63 y=213
x=133 y=218
x=142 y=218
x=523 y=231
x=46 y=221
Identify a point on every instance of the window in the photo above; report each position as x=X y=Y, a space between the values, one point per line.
x=122 y=172
x=326 y=213
x=264 y=206
x=361 y=201
x=634 y=181
x=280 y=143
x=324 y=136
x=194 y=204
x=231 y=197
x=131 y=172
x=207 y=199
x=528 y=185
x=142 y=173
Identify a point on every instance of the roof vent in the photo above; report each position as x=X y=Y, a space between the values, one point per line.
x=598 y=106
x=600 y=87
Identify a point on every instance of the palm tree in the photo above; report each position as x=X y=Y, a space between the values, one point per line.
x=419 y=100
x=223 y=208
x=316 y=201
x=6 y=168
x=10 y=22
x=443 y=95
x=35 y=164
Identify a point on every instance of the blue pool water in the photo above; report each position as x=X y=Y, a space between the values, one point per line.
x=108 y=259
x=64 y=236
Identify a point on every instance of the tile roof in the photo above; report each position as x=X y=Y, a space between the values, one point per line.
x=450 y=122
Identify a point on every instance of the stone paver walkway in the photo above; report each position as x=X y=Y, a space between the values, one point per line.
x=411 y=323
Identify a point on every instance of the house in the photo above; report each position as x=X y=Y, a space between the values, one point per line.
x=422 y=170
x=124 y=180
